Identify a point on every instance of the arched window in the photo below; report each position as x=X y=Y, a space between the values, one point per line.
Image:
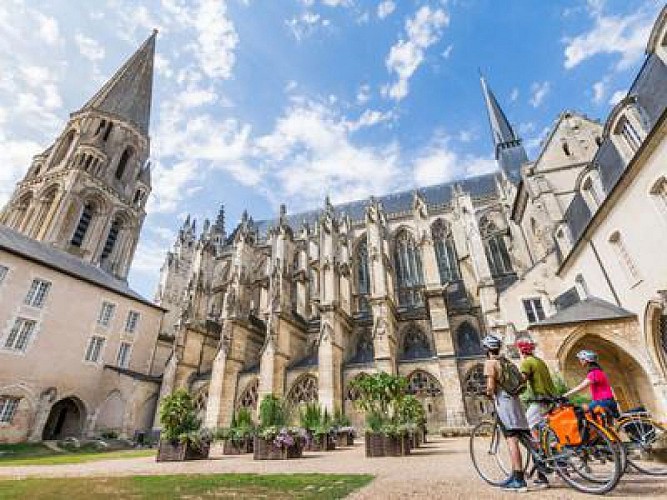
x=138 y=197
x=445 y=252
x=475 y=381
x=82 y=226
x=591 y=193
x=20 y=212
x=112 y=237
x=304 y=390
x=624 y=258
x=249 y=396
x=415 y=345
x=63 y=149
x=421 y=383
x=363 y=276
x=566 y=149
x=122 y=163
x=467 y=340
x=409 y=276
x=495 y=249
x=365 y=352
x=352 y=394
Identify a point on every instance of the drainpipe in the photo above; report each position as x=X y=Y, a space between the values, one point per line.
x=604 y=273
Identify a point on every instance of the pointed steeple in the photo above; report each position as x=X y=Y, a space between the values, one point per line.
x=129 y=92
x=509 y=152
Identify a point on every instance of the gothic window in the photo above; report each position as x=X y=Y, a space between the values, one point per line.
x=365 y=352
x=100 y=127
x=495 y=249
x=408 y=270
x=21 y=210
x=591 y=193
x=82 y=226
x=249 y=395
x=138 y=197
x=415 y=345
x=534 y=310
x=363 y=276
x=475 y=382
x=624 y=258
x=122 y=163
x=112 y=237
x=304 y=390
x=445 y=252
x=467 y=340
x=421 y=383
x=566 y=149
x=107 y=132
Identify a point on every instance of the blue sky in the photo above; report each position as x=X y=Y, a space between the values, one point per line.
x=258 y=102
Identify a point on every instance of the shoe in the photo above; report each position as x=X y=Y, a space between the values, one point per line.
x=507 y=481
x=517 y=485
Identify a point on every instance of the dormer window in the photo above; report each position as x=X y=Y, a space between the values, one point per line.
x=566 y=149
x=630 y=134
x=591 y=194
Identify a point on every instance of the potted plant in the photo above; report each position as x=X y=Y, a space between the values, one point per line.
x=345 y=433
x=323 y=434
x=275 y=440
x=412 y=416
x=380 y=397
x=237 y=439
x=310 y=416
x=181 y=437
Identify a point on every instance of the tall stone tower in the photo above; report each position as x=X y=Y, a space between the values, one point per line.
x=509 y=152
x=87 y=192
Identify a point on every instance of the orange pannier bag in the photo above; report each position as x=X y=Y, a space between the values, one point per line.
x=565 y=423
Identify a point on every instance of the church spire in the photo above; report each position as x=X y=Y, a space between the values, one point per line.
x=128 y=93
x=507 y=145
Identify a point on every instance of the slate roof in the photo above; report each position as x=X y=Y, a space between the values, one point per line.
x=57 y=259
x=590 y=309
x=129 y=92
x=436 y=196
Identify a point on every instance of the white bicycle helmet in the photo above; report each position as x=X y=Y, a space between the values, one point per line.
x=588 y=356
x=492 y=342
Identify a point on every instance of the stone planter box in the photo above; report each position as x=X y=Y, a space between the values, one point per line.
x=345 y=438
x=265 y=449
x=169 y=451
x=230 y=447
x=321 y=443
x=379 y=445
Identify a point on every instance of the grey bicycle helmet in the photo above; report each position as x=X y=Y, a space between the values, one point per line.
x=588 y=356
x=492 y=342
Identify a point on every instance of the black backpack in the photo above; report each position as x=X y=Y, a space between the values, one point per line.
x=510 y=379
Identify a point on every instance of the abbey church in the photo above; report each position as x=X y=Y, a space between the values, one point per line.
x=565 y=248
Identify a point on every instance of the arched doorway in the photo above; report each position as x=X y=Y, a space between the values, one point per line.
x=66 y=419
x=628 y=379
x=428 y=390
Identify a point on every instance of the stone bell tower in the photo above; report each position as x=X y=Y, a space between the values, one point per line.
x=87 y=192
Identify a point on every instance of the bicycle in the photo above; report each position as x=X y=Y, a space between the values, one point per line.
x=592 y=465
x=639 y=432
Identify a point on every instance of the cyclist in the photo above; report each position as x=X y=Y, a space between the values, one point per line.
x=509 y=411
x=601 y=393
x=539 y=380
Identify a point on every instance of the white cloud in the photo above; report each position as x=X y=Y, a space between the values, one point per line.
x=624 y=36
x=48 y=28
x=217 y=39
x=363 y=94
x=448 y=51
x=385 y=8
x=423 y=30
x=514 y=95
x=306 y=24
x=89 y=48
x=599 y=91
x=369 y=118
x=15 y=156
x=617 y=96
x=538 y=92
x=536 y=141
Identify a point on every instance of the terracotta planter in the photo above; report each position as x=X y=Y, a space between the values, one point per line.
x=169 y=451
x=265 y=449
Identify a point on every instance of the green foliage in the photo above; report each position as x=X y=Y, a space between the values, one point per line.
x=340 y=419
x=562 y=388
x=178 y=416
x=310 y=416
x=242 y=427
x=375 y=421
x=273 y=412
x=411 y=411
x=380 y=394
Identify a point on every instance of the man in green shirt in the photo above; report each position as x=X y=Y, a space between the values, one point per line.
x=539 y=380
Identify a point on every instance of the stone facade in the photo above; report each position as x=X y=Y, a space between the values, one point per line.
x=80 y=352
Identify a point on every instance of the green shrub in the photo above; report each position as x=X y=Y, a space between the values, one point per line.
x=273 y=412
x=178 y=416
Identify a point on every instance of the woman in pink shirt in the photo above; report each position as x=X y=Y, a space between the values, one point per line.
x=601 y=393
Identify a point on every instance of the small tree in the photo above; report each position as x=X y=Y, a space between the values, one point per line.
x=178 y=416
x=272 y=412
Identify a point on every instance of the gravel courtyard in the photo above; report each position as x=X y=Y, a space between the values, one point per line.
x=440 y=469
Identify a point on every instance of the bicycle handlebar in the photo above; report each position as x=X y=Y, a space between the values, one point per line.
x=557 y=400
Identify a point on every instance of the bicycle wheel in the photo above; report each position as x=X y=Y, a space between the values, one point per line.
x=490 y=454
x=601 y=453
x=590 y=468
x=639 y=434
